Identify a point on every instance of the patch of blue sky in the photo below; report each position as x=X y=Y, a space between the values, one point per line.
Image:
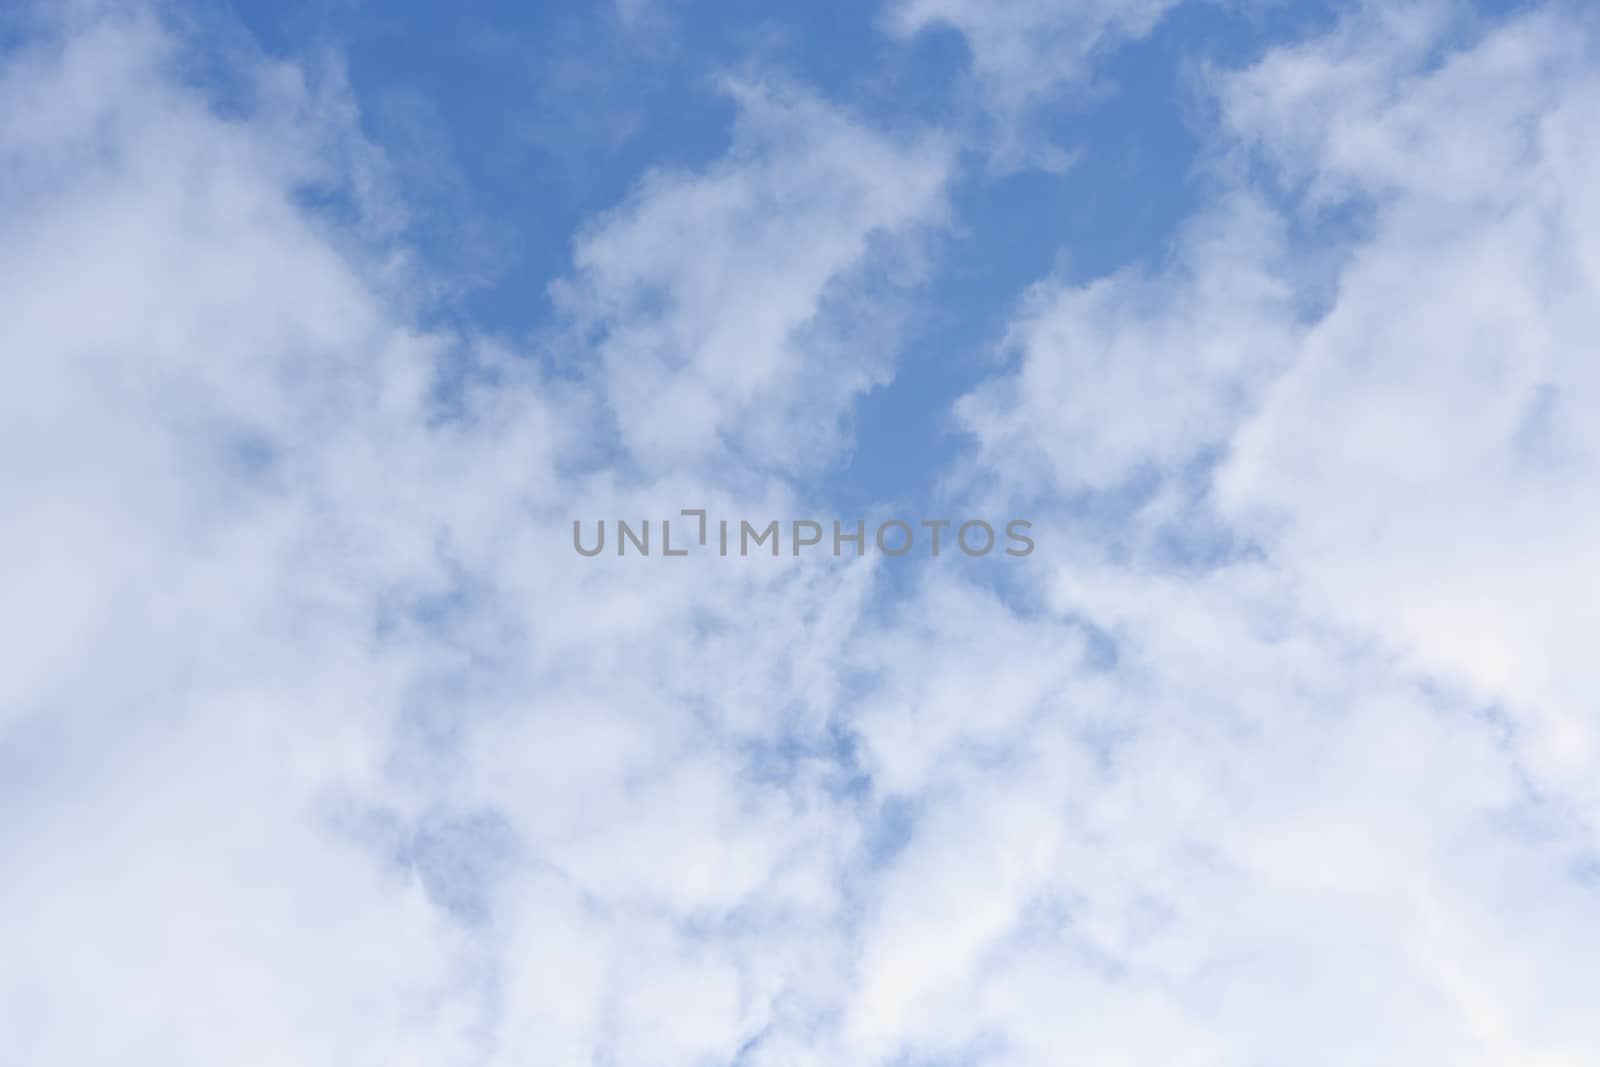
x=509 y=126
x=1136 y=132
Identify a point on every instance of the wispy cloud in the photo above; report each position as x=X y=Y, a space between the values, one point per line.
x=322 y=746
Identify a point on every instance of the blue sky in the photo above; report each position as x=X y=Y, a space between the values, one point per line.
x=510 y=125
x=325 y=323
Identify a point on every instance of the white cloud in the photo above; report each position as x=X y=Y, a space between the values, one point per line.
x=329 y=750
x=1134 y=371
x=1424 y=464
x=1026 y=52
x=730 y=301
x=1346 y=783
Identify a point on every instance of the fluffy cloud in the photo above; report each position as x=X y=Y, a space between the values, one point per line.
x=1424 y=464
x=198 y=383
x=739 y=309
x=1176 y=355
x=1024 y=52
x=279 y=551
x=1350 y=742
x=1022 y=49
x=330 y=751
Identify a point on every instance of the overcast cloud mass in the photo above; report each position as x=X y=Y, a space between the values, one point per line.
x=320 y=324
